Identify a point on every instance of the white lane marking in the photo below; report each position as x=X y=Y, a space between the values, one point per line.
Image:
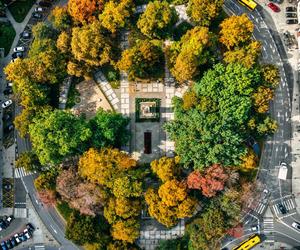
x=53 y=229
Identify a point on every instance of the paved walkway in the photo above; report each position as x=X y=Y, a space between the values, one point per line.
x=107 y=89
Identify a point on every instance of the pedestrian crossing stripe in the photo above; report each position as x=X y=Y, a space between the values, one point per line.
x=289 y=205
x=268 y=225
x=260 y=208
x=20 y=172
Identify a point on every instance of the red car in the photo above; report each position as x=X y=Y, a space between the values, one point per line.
x=273 y=7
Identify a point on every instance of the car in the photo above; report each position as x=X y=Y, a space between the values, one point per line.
x=3 y=245
x=283 y=164
x=7 y=103
x=9 y=127
x=44 y=4
x=7 y=91
x=17 y=55
x=281 y=208
x=254 y=228
x=13 y=60
x=10 y=84
x=38 y=9
x=7 y=187
x=276 y=1
x=30 y=227
x=296 y=225
x=291 y=21
x=13 y=242
x=273 y=7
x=27 y=234
x=8 y=244
x=2 y=225
x=22 y=237
x=18 y=240
x=290 y=14
x=19 y=49
x=290 y=9
x=25 y=34
x=37 y=15
x=9 y=219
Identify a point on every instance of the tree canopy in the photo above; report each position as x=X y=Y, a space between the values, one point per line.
x=157 y=20
x=58 y=134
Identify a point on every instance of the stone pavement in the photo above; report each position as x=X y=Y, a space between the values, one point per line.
x=63 y=92
x=107 y=89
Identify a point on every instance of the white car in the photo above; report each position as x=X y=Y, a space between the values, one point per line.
x=38 y=9
x=27 y=234
x=19 y=49
x=10 y=84
x=296 y=225
x=6 y=104
x=17 y=238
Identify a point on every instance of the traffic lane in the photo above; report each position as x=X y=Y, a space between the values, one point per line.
x=286 y=233
x=20 y=194
x=54 y=228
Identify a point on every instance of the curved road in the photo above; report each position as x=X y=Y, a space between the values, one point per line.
x=278 y=146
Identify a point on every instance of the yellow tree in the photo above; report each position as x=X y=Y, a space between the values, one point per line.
x=165 y=168
x=249 y=161
x=157 y=20
x=262 y=98
x=126 y=230
x=203 y=12
x=236 y=30
x=63 y=42
x=115 y=14
x=173 y=192
x=190 y=100
x=246 y=55
x=60 y=18
x=89 y=45
x=84 y=11
x=270 y=74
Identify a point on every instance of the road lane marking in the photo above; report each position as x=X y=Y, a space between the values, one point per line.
x=53 y=229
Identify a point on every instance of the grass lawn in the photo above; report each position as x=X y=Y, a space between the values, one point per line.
x=20 y=8
x=112 y=76
x=64 y=209
x=7 y=36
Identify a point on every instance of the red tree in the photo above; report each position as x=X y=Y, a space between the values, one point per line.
x=210 y=182
x=48 y=197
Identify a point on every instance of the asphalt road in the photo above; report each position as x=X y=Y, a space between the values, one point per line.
x=277 y=147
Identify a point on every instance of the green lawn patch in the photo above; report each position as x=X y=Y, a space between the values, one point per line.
x=7 y=36
x=112 y=75
x=20 y=8
x=73 y=95
x=64 y=209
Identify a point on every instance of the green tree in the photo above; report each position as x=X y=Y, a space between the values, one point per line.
x=127 y=187
x=43 y=31
x=202 y=12
x=144 y=60
x=116 y=14
x=83 y=229
x=90 y=46
x=58 y=134
x=157 y=20
x=109 y=129
x=46 y=180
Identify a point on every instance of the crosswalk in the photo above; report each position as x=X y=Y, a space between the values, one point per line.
x=260 y=208
x=289 y=204
x=20 y=172
x=268 y=225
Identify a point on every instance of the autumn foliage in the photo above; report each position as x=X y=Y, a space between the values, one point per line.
x=210 y=182
x=165 y=168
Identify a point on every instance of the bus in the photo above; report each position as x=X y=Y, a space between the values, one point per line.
x=250 y=4
x=249 y=243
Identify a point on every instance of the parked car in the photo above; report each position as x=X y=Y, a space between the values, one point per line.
x=20 y=48
x=2 y=225
x=30 y=227
x=273 y=7
x=290 y=9
x=22 y=237
x=25 y=34
x=17 y=55
x=10 y=84
x=291 y=21
x=9 y=127
x=7 y=104
x=27 y=234
x=296 y=225
x=37 y=15
x=282 y=208
x=8 y=244
x=289 y=14
x=38 y=9
x=7 y=91
x=9 y=219
x=18 y=240
x=13 y=242
x=276 y=1
x=44 y=4
x=3 y=245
